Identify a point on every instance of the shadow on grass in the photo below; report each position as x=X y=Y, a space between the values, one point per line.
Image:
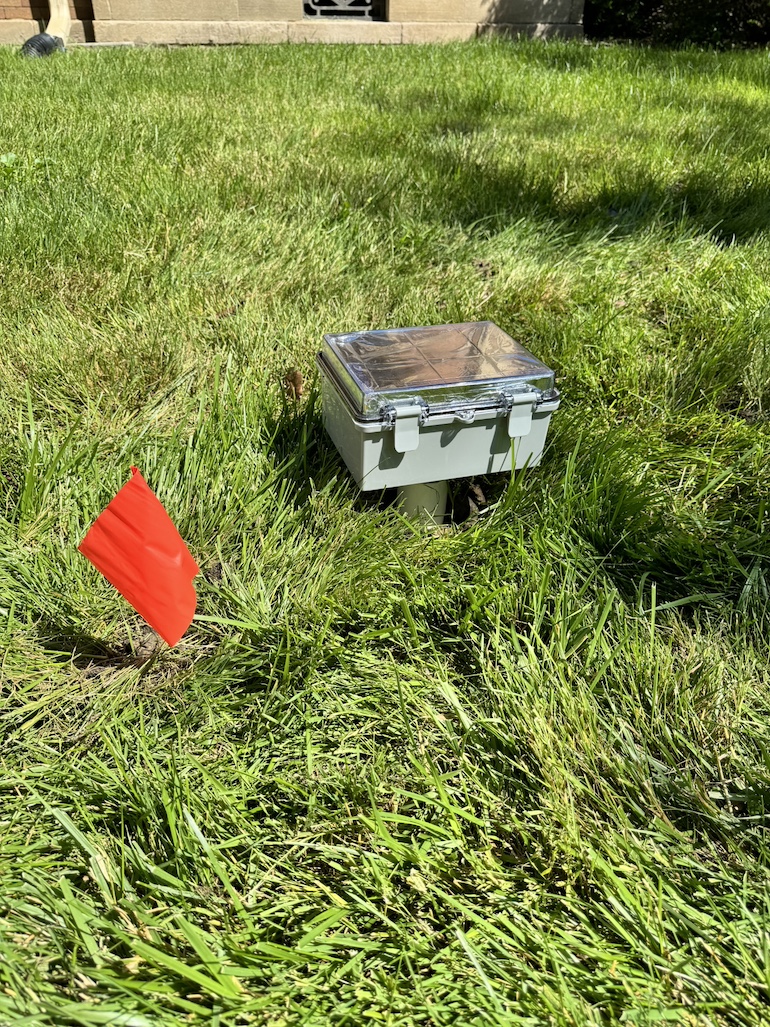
x=486 y=188
x=302 y=448
x=85 y=652
x=94 y=657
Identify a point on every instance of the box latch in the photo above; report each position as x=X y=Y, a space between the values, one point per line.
x=520 y=412
x=406 y=428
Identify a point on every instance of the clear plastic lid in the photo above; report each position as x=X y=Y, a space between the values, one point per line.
x=453 y=366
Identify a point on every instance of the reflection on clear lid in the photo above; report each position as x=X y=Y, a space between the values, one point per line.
x=445 y=365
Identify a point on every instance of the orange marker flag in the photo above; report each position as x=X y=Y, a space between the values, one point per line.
x=135 y=545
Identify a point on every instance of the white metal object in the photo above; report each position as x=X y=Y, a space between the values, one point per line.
x=411 y=405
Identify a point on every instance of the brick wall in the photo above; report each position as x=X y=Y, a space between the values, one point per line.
x=33 y=10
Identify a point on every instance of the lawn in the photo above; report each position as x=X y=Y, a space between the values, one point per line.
x=514 y=772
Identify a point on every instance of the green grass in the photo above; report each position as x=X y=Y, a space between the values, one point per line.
x=514 y=773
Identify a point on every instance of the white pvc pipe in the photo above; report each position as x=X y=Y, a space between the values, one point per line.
x=424 y=502
x=60 y=22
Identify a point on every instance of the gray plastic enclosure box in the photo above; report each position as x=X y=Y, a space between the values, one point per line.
x=410 y=405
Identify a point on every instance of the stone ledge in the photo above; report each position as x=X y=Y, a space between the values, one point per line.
x=538 y=30
x=330 y=30
x=510 y=12
x=437 y=31
x=190 y=32
x=172 y=33
x=15 y=31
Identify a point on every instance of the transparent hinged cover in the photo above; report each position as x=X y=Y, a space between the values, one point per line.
x=445 y=367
